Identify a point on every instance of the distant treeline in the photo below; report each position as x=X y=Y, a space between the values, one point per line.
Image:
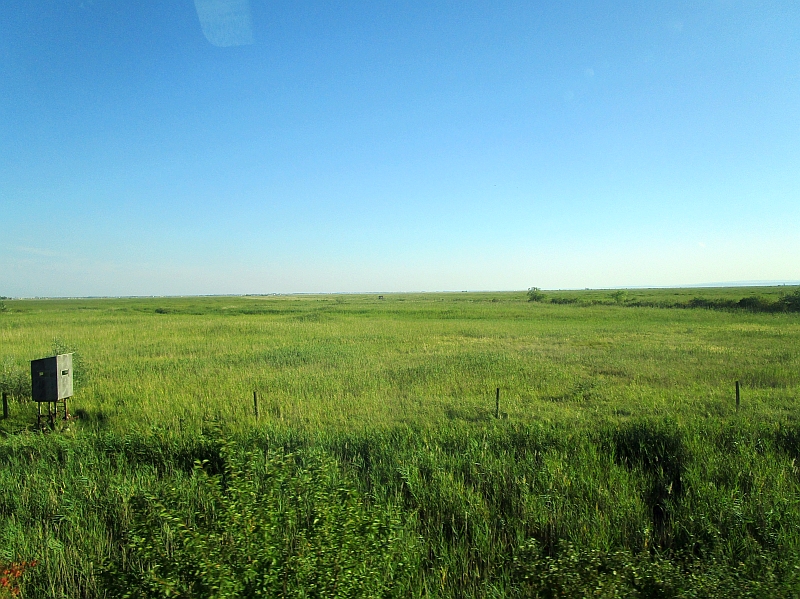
x=788 y=302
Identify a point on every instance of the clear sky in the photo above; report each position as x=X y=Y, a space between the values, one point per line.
x=301 y=146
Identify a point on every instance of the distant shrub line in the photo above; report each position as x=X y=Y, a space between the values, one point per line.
x=789 y=302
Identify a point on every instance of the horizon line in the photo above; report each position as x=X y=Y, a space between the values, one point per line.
x=719 y=285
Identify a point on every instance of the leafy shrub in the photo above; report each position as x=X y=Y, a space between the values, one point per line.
x=756 y=304
x=619 y=296
x=574 y=572
x=276 y=526
x=535 y=295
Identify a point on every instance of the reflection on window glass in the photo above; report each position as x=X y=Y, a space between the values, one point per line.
x=225 y=22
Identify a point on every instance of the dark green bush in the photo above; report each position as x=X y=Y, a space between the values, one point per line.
x=564 y=300
x=755 y=303
x=701 y=302
x=619 y=296
x=791 y=301
x=535 y=295
x=786 y=303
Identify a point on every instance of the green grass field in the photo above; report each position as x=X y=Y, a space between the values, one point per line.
x=619 y=465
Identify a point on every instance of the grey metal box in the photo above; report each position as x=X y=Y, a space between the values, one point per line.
x=51 y=378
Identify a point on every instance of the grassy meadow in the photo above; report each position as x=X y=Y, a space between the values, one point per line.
x=619 y=465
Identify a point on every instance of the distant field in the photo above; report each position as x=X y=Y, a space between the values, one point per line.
x=346 y=360
x=619 y=447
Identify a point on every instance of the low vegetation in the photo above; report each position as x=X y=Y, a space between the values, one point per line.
x=619 y=465
x=722 y=300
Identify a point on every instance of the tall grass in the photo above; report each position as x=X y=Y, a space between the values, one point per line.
x=619 y=466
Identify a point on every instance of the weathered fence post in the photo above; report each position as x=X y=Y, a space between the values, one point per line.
x=255 y=403
x=497 y=403
x=737 y=396
x=5 y=405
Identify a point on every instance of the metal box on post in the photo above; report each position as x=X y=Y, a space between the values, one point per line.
x=51 y=383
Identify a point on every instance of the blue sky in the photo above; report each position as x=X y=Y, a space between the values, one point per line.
x=402 y=146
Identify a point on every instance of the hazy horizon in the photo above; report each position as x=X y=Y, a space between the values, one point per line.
x=731 y=284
